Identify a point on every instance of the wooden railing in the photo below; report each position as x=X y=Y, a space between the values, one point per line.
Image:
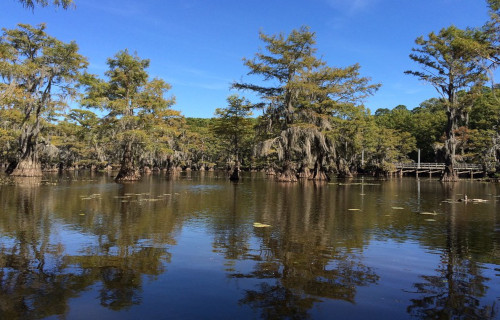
x=437 y=166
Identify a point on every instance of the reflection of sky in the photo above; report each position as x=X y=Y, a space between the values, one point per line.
x=72 y=239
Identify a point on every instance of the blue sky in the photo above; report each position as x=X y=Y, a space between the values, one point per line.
x=197 y=45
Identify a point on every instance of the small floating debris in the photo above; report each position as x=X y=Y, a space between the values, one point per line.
x=362 y=194
x=398 y=208
x=87 y=198
x=357 y=184
x=429 y=213
x=261 y=225
x=449 y=201
x=430 y=220
x=82 y=214
x=478 y=200
x=354 y=209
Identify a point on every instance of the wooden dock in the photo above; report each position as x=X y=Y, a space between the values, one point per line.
x=430 y=168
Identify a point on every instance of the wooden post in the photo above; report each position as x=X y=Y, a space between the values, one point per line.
x=418 y=165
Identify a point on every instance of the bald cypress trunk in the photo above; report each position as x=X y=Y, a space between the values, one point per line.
x=235 y=175
x=319 y=172
x=27 y=164
x=343 y=168
x=287 y=174
x=450 y=145
x=127 y=170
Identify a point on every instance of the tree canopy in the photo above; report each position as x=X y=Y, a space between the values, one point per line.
x=137 y=106
x=38 y=73
x=451 y=64
x=31 y=4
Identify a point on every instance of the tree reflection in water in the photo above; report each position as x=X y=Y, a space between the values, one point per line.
x=299 y=263
x=38 y=277
x=456 y=290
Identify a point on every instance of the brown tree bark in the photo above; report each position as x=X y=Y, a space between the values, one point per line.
x=27 y=164
x=287 y=174
x=127 y=170
x=319 y=172
x=343 y=168
x=450 y=145
x=235 y=175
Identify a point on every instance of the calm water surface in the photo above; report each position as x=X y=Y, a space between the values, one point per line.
x=83 y=247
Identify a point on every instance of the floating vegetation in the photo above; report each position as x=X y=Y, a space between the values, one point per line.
x=357 y=184
x=478 y=200
x=261 y=225
x=398 y=208
x=434 y=213
x=449 y=201
x=92 y=196
x=150 y=200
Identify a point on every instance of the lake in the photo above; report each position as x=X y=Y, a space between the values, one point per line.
x=196 y=246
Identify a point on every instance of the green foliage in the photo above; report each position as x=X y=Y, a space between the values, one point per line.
x=451 y=63
x=38 y=75
x=485 y=113
x=425 y=123
x=384 y=147
x=43 y=3
x=234 y=128
x=304 y=97
x=139 y=114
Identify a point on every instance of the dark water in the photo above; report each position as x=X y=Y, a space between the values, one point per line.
x=187 y=248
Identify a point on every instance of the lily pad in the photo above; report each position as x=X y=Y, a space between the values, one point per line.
x=260 y=225
x=429 y=213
